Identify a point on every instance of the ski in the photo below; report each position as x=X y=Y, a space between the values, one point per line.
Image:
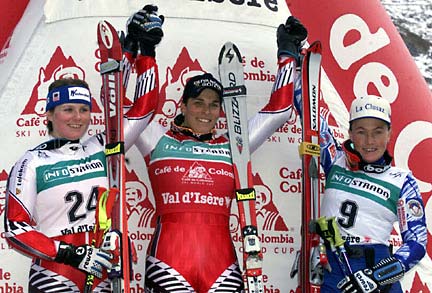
x=234 y=100
x=312 y=254
x=112 y=94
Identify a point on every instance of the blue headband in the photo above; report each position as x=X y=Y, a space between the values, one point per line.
x=68 y=94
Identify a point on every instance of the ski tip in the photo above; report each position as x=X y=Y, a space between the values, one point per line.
x=228 y=51
x=108 y=41
x=315 y=47
x=106 y=34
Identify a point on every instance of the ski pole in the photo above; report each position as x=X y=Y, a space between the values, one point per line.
x=331 y=235
x=102 y=224
x=339 y=244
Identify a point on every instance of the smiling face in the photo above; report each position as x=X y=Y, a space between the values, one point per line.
x=201 y=113
x=69 y=120
x=370 y=137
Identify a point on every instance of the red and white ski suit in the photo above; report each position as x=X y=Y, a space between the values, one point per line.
x=193 y=184
x=51 y=197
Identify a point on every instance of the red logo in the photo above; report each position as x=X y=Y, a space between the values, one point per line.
x=59 y=67
x=175 y=81
x=140 y=204
x=32 y=120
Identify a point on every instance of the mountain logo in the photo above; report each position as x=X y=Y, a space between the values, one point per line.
x=59 y=67
x=33 y=114
x=197 y=174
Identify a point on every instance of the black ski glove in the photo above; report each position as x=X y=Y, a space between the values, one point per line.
x=129 y=44
x=89 y=259
x=291 y=36
x=145 y=28
x=387 y=271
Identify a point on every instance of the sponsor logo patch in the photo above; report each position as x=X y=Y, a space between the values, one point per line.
x=415 y=208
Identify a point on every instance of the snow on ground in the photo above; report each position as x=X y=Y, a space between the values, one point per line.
x=413 y=18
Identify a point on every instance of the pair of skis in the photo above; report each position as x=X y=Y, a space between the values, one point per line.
x=112 y=93
x=312 y=257
x=232 y=79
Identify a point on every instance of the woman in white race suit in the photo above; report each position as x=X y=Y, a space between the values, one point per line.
x=52 y=190
x=367 y=196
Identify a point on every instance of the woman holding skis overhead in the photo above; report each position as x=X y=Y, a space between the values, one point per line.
x=52 y=190
x=192 y=177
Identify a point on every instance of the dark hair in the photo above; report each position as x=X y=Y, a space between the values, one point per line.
x=62 y=82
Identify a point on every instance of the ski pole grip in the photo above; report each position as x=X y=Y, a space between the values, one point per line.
x=323 y=231
x=338 y=241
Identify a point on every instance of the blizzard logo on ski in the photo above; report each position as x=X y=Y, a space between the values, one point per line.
x=360 y=184
x=73 y=170
x=229 y=55
x=236 y=116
